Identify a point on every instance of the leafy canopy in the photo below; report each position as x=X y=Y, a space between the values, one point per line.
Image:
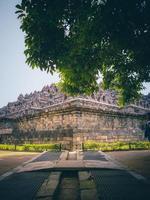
x=82 y=38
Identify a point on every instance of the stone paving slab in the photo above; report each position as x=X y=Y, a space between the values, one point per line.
x=119 y=185
x=112 y=181
x=34 y=166
x=101 y=164
x=94 y=155
x=68 y=187
x=87 y=186
x=48 y=156
x=61 y=162
x=64 y=155
x=69 y=164
x=49 y=186
x=47 y=160
x=21 y=186
x=89 y=159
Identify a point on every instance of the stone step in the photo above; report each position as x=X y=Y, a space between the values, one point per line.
x=69 y=186
x=49 y=187
x=72 y=155
x=88 y=189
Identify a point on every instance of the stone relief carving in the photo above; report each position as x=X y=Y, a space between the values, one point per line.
x=50 y=95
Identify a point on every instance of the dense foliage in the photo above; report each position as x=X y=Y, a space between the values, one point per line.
x=83 y=38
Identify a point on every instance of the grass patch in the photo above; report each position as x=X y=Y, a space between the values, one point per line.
x=31 y=147
x=116 y=146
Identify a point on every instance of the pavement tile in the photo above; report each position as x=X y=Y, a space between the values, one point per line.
x=101 y=164
x=21 y=186
x=69 y=164
x=119 y=185
x=88 y=194
x=87 y=184
x=48 y=156
x=33 y=166
x=49 y=186
x=84 y=175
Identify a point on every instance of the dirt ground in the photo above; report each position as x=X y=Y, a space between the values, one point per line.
x=10 y=160
x=138 y=161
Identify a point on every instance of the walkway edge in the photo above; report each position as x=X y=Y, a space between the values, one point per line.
x=124 y=167
x=9 y=173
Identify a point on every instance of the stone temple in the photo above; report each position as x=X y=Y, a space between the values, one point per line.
x=50 y=116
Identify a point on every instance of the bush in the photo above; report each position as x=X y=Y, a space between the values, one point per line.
x=116 y=146
x=7 y=147
x=31 y=147
x=41 y=147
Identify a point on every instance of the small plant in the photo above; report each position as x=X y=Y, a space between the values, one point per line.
x=116 y=146
x=31 y=147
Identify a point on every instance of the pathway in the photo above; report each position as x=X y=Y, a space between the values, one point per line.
x=73 y=176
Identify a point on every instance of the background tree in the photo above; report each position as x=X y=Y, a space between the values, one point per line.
x=82 y=38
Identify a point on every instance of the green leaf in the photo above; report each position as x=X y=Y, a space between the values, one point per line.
x=85 y=38
x=18 y=6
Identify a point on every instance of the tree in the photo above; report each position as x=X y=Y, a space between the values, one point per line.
x=82 y=38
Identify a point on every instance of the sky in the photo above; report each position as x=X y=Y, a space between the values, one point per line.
x=15 y=76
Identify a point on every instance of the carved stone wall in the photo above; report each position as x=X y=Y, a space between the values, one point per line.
x=73 y=122
x=51 y=95
x=104 y=127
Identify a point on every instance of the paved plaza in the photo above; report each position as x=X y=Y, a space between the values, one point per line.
x=11 y=159
x=138 y=161
x=73 y=176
